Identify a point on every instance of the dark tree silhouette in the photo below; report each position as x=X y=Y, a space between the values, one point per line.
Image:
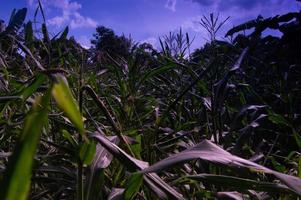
x=105 y=40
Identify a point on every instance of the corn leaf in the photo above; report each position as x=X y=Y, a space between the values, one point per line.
x=16 y=183
x=209 y=151
x=133 y=186
x=65 y=100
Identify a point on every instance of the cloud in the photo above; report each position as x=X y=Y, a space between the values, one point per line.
x=59 y=20
x=246 y=5
x=171 y=5
x=82 y=22
x=84 y=41
x=229 y=4
x=30 y=2
x=204 y=2
x=193 y=24
x=240 y=11
x=151 y=40
x=69 y=14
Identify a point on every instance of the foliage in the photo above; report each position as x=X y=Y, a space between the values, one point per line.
x=105 y=40
x=222 y=122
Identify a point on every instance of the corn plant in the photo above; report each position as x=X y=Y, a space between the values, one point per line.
x=220 y=123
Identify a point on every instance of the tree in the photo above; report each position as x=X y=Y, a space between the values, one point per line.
x=105 y=40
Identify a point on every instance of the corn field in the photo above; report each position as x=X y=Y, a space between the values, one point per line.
x=133 y=122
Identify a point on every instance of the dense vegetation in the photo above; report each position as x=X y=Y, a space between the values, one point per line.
x=125 y=121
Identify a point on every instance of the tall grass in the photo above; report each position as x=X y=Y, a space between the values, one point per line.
x=222 y=122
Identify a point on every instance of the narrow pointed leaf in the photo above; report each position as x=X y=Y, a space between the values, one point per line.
x=29 y=90
x=209 y=151
x=65 y=100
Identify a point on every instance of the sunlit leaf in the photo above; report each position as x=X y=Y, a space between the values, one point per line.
x=209 y=151
x=65 y=100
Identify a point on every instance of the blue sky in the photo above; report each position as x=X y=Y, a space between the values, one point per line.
x=146 y=20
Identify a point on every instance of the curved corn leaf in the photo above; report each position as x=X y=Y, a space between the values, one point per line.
x=102 y=160
x=64 y=98
x=209 y=151
x=239 y=184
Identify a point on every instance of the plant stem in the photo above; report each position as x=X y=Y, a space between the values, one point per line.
x=80 y=188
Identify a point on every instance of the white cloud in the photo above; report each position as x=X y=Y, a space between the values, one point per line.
x=80 y=21
x=69 y=13
x=151 y=40
x=193 y=24
x=171 y=5
x=30 y=2
x=84 y=41
x=59 y=20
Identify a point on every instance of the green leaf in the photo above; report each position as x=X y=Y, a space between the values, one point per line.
x=278 y=119
x=133 y=186
x=16 y=183
x=87 y=152
x=64 y=98
x=297 y=138
x=136 y=147
x=28 y=91
x=70 y=139
x=155 y=72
